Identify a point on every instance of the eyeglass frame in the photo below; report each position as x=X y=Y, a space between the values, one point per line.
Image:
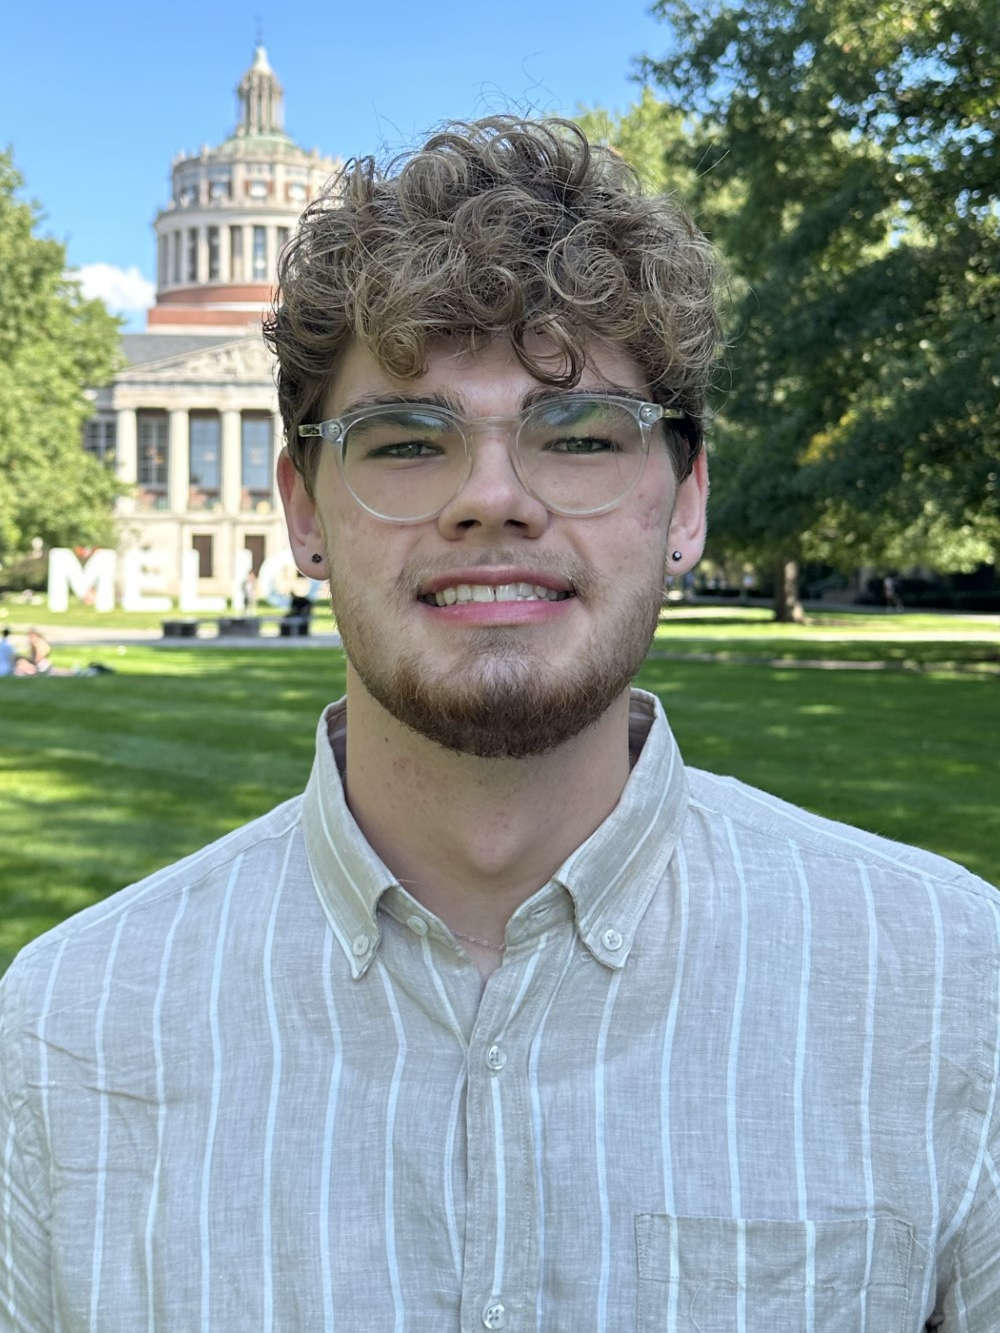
x=646 y=413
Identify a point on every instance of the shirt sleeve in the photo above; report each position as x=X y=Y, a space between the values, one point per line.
x=25 y=1282
x=973 y=1298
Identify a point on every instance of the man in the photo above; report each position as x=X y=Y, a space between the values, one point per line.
x=7 y=654
x=510 y=1021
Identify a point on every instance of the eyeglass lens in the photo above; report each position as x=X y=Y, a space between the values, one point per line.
x=576 y=454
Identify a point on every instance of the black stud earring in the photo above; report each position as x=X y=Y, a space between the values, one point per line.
x=674 y=555
x=317 y=559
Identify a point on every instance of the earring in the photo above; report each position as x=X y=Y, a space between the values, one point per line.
x=317 y=559
x=674 y=555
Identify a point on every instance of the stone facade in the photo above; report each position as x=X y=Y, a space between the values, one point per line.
x=191 y=423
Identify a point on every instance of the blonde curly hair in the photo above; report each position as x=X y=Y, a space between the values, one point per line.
x=499 y=227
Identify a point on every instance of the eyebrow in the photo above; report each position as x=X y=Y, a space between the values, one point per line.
x=449 y=403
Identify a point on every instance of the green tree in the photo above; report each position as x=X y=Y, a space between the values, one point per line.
x=53 y=345
x=651 y=136
x=849 y=174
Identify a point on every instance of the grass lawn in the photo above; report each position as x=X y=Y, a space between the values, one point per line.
x=104 y=779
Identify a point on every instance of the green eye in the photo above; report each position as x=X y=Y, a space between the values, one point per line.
x=406 y=451
x=581 y=445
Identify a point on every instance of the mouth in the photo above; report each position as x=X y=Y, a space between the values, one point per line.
x=456 y=594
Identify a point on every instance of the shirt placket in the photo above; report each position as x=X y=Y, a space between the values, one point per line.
x=501 y=1233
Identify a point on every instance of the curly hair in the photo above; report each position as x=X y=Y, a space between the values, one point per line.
x=500 y=227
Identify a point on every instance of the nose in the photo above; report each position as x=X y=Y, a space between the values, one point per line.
x=492 y=499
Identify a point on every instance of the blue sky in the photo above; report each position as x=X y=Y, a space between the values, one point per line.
x=96 y=99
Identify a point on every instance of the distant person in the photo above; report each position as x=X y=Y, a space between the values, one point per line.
x=7 y=654
x=250 y=592
x=891 y=593
x=512 y=1020
x=38 y=659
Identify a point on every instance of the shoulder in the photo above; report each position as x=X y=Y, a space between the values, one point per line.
x=74 y=955
x=767 y=833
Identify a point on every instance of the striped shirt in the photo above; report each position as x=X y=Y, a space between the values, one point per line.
x=737 y=1071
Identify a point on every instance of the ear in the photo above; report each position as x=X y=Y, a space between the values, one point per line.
x=305 y=532
x=688 y=521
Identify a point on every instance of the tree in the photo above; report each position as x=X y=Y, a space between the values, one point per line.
x=651 y=136
x=850 y=177
x=53 y=345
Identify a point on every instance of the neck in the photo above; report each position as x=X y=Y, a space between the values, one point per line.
x=473 y=838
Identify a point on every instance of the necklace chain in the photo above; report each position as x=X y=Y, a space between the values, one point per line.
x=474 y=939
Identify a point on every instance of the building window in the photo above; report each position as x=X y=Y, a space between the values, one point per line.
x=235 y=254
x=256 y=544
x=213 y=254
x=282 y=237
x=202 y=543
x=204 y=460
x=192 y=265
x=153 y=458
x=176 y=236
x=257 y=466
x=99 y=439
x=259 y=254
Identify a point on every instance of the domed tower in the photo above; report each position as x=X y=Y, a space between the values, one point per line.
x=231 y=210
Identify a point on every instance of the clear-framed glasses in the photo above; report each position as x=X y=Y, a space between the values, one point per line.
x=578 y=453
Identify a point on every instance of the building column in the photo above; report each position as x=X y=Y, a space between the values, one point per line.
x=202 y=254
x=232 y=463
x=126 y=456
x=178 y=461
x=126 y=451
x=225 y=259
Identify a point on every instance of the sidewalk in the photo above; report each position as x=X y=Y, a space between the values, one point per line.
x=77 y=636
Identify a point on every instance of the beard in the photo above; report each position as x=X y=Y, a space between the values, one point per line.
x=502 y=699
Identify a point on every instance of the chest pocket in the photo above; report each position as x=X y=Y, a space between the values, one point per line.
x=719 y=1275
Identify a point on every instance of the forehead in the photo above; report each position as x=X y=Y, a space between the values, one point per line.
x=488 y=381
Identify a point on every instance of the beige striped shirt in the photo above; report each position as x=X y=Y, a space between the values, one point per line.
x=737 y=1071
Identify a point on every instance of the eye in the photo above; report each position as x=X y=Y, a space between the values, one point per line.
x=406 y=450
x=582 y=445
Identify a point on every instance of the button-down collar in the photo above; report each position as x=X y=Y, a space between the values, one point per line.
x=610 y=877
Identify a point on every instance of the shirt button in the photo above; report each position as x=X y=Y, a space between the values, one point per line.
x=360 y=945
x=612 y=940
x=496 y=1059
x=493 y=1314
x=417 y=924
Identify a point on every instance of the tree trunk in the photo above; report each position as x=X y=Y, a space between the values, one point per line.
x=787 y=606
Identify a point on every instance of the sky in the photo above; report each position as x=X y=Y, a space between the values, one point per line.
x=97 y=99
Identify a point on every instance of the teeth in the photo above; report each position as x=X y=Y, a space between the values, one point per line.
x=504 y=592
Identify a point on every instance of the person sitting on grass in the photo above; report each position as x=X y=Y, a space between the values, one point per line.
x=8 y=656
x=512 y=1020
x=38 y=659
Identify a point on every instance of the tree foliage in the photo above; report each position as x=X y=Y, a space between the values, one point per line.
x=53 y=346
x=849 y=170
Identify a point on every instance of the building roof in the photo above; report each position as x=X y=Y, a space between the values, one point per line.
x=142 y=347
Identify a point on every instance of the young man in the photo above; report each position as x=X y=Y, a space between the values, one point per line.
x=510 y=1021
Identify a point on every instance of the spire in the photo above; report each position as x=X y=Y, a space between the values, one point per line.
x=261 y=98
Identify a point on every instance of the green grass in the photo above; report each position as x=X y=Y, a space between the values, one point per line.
x=104 y=779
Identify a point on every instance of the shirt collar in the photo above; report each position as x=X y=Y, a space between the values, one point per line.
x=613 y=875
x=610 y=877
